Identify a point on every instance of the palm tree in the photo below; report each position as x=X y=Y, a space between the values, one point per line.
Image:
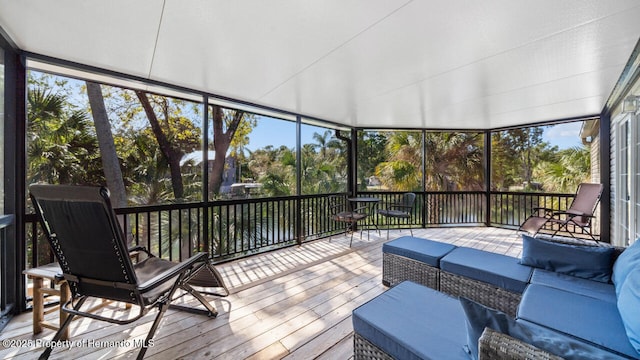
x=403 y=169
x=571 y=167
x=61 y=147
x=454 y=161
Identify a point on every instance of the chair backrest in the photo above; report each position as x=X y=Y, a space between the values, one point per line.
x=337 y=204
x=407 y=201
x=586 y=199
x=85 y=236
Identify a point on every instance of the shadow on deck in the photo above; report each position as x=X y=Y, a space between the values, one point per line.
x=290 y=303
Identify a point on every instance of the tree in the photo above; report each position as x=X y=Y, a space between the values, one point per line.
x=402 y=171
x=371 y=152
x=172 y=153
x=230 y=127
x=565 y=171
x=61 y=148
x=108 y=155
x=275 y=169
x=454 y=161
x=515 y=154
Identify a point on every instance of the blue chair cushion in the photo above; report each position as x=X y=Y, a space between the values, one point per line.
x=589 y=262
x=593 y=320
x=626 y=262
x=411 y=321
x=479 y=317
x=427 y=251
x=574 y=284
x=629 y=307
x=496 y=269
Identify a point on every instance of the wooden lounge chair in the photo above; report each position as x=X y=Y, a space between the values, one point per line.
x=86 y=238
x=579 y=214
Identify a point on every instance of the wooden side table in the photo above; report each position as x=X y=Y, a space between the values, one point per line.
x=38 y=275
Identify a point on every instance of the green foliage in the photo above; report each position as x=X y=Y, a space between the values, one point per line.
x=371 y=152
x=61 y=143
x=454 y=161
x=402 y=170
x=565 y=171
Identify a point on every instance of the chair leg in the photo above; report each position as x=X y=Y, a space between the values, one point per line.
x=58 y=335
x=161 y=310
x=163 y=305
x=351 y=226
x=388 y=227
x=211 y=311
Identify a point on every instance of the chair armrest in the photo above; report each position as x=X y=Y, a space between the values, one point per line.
x=496 y=345
x=172 y=272
x=138 y=248
x=543 y=210
x=360 y=208
x=570 y=213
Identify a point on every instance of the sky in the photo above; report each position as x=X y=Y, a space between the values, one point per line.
x=564 y=135
x=278 y=132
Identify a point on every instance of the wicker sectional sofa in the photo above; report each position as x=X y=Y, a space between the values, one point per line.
x=557 y=301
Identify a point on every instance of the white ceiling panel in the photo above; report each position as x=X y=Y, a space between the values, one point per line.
x=248 y=48
x=461 y=64
x=117 y=35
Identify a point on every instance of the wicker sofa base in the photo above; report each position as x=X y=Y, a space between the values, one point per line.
x=363 y=349
x=481 y=292
x=396 y=269
x=492 y=345
x=496 y=345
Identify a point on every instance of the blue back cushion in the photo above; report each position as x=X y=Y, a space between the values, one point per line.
x=629 y=307
x=588 y=262
x=627 y=261
x=594 y=289
x=427 y=251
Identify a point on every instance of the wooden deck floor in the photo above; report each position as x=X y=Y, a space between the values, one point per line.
x=294 y=303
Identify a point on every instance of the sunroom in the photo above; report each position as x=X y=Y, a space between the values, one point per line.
x=233 y=125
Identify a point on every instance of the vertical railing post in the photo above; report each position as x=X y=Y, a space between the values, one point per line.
x=205 y=178
x=487 y=176
x=424 y=180
x=298 y=220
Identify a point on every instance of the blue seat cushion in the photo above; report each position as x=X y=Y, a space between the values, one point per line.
x=589 y=262
x=480 y=317
x=496 y=269
x=411 y=321
x=427 y=251
x=626 y=262
x=595 y=289
x=584 y=317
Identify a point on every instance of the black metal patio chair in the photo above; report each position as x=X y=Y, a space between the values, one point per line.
x=399 y=210
x=342 y=211
x=89 y=245
x=579 y=214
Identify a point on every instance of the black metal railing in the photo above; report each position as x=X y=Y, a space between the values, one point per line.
x=230 y=229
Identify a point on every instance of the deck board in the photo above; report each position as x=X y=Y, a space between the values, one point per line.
x=294 y=303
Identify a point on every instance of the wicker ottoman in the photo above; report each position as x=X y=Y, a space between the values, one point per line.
x=410 y=321
x=414 y=259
